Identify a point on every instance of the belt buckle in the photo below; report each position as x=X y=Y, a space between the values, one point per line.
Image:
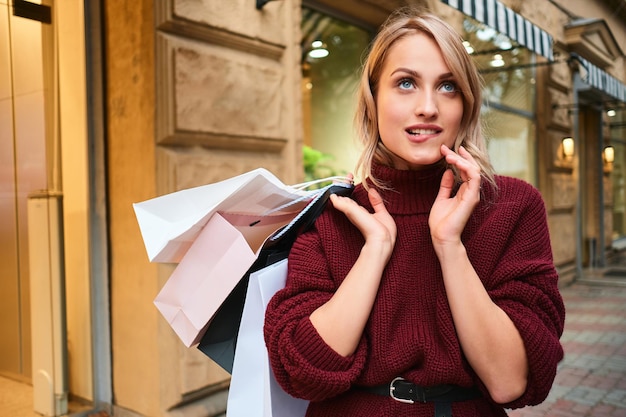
x=392 y=389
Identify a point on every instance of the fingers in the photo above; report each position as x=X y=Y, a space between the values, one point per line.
x=353 y=210
x=349 y=207
x=447 y=184
x=376 y=201
x=378 y=225
x=465 y=164
x=349 y=179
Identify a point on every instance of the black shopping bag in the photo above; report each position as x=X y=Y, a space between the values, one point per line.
x=220 y=339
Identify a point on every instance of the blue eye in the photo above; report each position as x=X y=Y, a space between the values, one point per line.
x=449 y=87
x=405 y=83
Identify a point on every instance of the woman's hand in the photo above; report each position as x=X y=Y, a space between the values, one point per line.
x=378 y=228
x=449 y=214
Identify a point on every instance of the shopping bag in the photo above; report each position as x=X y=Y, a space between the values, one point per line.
x=253 y=389
x=220 y=339
x=215 y=233
x=170 y=223
x=208 y=272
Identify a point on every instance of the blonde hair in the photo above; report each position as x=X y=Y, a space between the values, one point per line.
x=404 y=22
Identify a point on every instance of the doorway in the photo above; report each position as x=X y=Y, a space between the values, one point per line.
x=35 y=117
x=591 y=186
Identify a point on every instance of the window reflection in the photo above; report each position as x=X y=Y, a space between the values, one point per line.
x=331 y=59
x=509 y=95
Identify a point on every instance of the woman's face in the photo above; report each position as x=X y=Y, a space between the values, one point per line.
x=419 y=106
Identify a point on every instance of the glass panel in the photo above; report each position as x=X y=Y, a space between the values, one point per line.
x=511 y=149
x=508 y=72
x=507 y=68
x=331 y=60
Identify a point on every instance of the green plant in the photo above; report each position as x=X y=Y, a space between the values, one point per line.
x=315 y=166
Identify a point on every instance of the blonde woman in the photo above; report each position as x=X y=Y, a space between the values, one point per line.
x=432 y=290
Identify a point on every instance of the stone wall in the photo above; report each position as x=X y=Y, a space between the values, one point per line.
x=199 y=91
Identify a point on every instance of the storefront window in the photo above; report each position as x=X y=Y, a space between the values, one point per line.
x=509 y=95
x=510 y=150
x=331 y=59
x=332 y=52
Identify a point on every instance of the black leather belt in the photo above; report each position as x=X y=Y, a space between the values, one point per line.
x=442 y=395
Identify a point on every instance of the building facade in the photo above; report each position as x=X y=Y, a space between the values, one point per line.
x=105 y=104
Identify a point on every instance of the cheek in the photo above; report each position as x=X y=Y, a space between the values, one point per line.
x=456 y=115
x=454 y=119
x=388 y=111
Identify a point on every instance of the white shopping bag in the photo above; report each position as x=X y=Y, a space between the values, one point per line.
x=170 y=223
x=254 y=391
x=215 y=233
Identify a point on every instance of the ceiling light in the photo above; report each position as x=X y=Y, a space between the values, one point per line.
x=486 y=33
x=318 y=50
x=497 y=61
x=468 y=47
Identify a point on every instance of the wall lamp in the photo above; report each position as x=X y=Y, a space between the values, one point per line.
x=567 y=147
x=609 y=154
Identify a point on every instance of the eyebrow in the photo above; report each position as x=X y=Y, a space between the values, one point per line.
x=416 y=74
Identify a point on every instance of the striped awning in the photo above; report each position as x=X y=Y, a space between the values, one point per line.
x=509 y=23
x=601 y=80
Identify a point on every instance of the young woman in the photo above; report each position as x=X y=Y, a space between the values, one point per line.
x=432 y=290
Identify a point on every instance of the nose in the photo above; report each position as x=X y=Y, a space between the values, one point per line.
x=427 y=105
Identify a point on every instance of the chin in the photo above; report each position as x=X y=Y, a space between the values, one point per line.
x=421 y=163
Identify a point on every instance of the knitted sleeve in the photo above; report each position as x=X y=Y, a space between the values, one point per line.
x=303 y=364
x=524 y=282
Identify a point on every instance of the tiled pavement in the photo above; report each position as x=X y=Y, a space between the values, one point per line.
x=591 y=380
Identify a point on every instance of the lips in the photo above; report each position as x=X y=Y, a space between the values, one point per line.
x=423 y=131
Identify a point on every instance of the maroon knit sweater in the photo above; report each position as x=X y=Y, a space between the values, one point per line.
x=410 y=332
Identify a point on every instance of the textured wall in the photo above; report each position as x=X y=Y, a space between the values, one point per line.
x=198 y=91
x=131 y=178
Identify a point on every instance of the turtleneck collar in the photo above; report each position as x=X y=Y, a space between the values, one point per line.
x=411 y=191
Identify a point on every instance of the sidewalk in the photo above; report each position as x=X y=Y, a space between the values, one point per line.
x=591 y=380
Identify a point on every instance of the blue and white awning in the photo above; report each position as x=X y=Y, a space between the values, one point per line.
x=509 y=23
x=601 y=80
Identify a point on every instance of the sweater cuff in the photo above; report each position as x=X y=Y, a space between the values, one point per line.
x=544 y=352
x=316 y=351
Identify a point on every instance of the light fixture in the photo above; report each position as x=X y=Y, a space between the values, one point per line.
x=497 y=61
x=503 y=43
x=609 y=154
x=486 y=33
x=567 y=145
x=610 y=113
x=318 y=50
x=468 y=47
